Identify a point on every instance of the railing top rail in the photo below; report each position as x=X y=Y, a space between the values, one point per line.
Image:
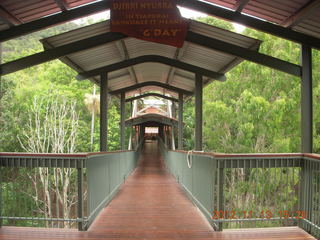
x=252 y=155
x=312 y=155
x=51 y=160
x=259 y=155
x=55 y=155
x=43 y=155
x=106 y=153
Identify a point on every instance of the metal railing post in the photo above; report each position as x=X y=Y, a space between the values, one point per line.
x=80 y=199
x=220 y=192
x=305 y=193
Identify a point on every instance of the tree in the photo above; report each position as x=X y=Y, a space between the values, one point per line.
x=52 y=128
x=92 y=102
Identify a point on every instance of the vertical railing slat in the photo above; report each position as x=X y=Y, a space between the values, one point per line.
x=80 y=198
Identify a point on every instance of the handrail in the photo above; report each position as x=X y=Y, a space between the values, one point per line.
x=81 y=165
x=26 y=154
x=218 y=181
x=253 y=155
x=217 y=155
x=63 y=155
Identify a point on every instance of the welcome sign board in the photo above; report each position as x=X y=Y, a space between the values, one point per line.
x=150 y=20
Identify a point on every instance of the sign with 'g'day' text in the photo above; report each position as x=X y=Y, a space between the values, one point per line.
x=151 y=20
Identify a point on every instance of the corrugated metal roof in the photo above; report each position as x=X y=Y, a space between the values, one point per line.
x=310 y=26
x=113 y=52
x=77 y=3
x=29 y=10
x=224 y=3
x=275 y=11
x=278 y=12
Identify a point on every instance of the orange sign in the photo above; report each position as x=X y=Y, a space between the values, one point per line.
x=151 y=20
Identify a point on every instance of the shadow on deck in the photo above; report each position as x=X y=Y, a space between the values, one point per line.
x=151 y=205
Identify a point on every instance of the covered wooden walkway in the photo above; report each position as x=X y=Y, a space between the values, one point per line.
x=151 y=205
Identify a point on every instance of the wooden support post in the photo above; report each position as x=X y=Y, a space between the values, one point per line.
x=122 y=120
x=305 y=188
x=104 y=112
x=306 y=101
x=173 y=144
x=198 y=112
x=173 y=109
x=180 y=122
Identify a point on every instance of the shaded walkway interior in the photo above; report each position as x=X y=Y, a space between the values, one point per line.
x=151 y=205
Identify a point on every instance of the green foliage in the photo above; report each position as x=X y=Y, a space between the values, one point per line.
x=257 y=109
x=20 y=88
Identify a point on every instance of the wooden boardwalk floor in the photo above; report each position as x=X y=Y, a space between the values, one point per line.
x=151 y=205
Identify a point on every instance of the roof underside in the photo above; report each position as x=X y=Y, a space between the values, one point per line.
x=300 y=15
x=297 y=16
x=129 y=48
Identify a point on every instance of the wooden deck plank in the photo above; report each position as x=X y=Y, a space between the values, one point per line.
x=151 y=205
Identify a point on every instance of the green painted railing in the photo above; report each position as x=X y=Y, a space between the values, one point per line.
x=251 y=190
x=106 y=173
x=36 y=189
x=90 y=181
